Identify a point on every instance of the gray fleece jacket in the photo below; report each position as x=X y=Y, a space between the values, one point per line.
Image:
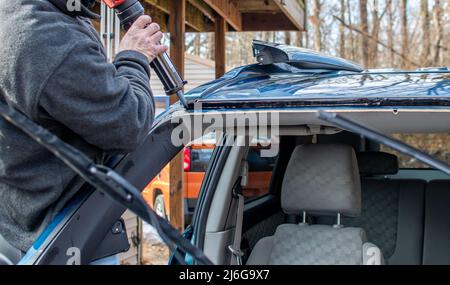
x=54 y=69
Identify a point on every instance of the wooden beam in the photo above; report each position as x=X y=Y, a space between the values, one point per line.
x=196 y=18
x=295 y=11
x=163 y=5
x=177 y=19
x=204 y=8
x=220 y=45
x=256 y=6
x=252 y=22
x=228 y=10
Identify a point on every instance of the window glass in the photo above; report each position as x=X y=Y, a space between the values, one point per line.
x=437 y=145
x=199 y=159
x=260 y=173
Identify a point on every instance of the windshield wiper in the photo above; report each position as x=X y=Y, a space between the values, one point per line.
x=352 y=126
x=104 y=179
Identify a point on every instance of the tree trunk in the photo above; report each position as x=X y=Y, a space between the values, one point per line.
x=373 y=48
x=299 y=39
x=307 y=41
x=197 y=44
x=287 y=38
x=404 y=30
x=369 y=37
x=317 y=25
x=425 y=27
x=352 y=37
x=439 y=31
x=210 y=39
x=342 y=48
x=365 y=28
x=268 y=36
x=390 y=31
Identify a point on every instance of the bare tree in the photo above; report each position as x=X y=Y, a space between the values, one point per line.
x=439 y=31
x=317 y=25
x=404 y=30
x=352 y=37
x=210 y=40
x=299 y=39
x=365 y=29
x=287 y=38
x=373 y=47
x=342 y=39
x=369 y=37
x=390 y=30
x=378 y=33
x=425 y=29
x=306 y=39
x=197 y=44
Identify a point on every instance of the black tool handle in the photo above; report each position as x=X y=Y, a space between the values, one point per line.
x=128 y=12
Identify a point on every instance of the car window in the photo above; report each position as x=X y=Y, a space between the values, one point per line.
x=197 y=159
x=260 y=173
x=257 y=163
x=437 y=145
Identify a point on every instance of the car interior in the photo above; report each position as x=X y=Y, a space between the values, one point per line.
x=332 y=197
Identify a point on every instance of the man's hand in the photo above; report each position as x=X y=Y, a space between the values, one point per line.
x=144 y=37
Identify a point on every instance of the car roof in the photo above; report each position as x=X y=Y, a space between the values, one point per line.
x=288 y=81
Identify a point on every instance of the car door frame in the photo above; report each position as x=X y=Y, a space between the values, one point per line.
x=207 y=190
x=76 y=233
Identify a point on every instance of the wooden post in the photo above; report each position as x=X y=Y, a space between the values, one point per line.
x=220 y=45
x=177 y=19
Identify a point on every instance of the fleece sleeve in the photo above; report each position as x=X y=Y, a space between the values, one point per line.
x=110 y=105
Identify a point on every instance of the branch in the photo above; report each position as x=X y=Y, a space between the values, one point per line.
x=359 y=31
x=441 y=47
x=382 y=14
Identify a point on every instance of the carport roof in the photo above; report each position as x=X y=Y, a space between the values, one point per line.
x=248 y=15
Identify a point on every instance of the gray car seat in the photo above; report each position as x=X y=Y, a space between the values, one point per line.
x=319 y=180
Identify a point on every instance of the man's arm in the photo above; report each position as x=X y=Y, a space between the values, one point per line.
x=109 y=105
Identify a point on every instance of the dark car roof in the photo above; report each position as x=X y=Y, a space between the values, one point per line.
x=292 y=77
x=257 y=85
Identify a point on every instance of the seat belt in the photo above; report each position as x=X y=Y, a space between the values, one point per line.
x=235 y=248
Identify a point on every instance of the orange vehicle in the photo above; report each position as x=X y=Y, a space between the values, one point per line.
x=196 y=160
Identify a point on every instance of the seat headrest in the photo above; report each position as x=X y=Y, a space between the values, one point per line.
x=377 y=163
x=322 y=180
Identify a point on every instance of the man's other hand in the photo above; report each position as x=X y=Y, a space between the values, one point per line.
x=145 y=37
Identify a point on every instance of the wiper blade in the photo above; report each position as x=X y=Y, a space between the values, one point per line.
x=352 y=126
x=104 y=179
